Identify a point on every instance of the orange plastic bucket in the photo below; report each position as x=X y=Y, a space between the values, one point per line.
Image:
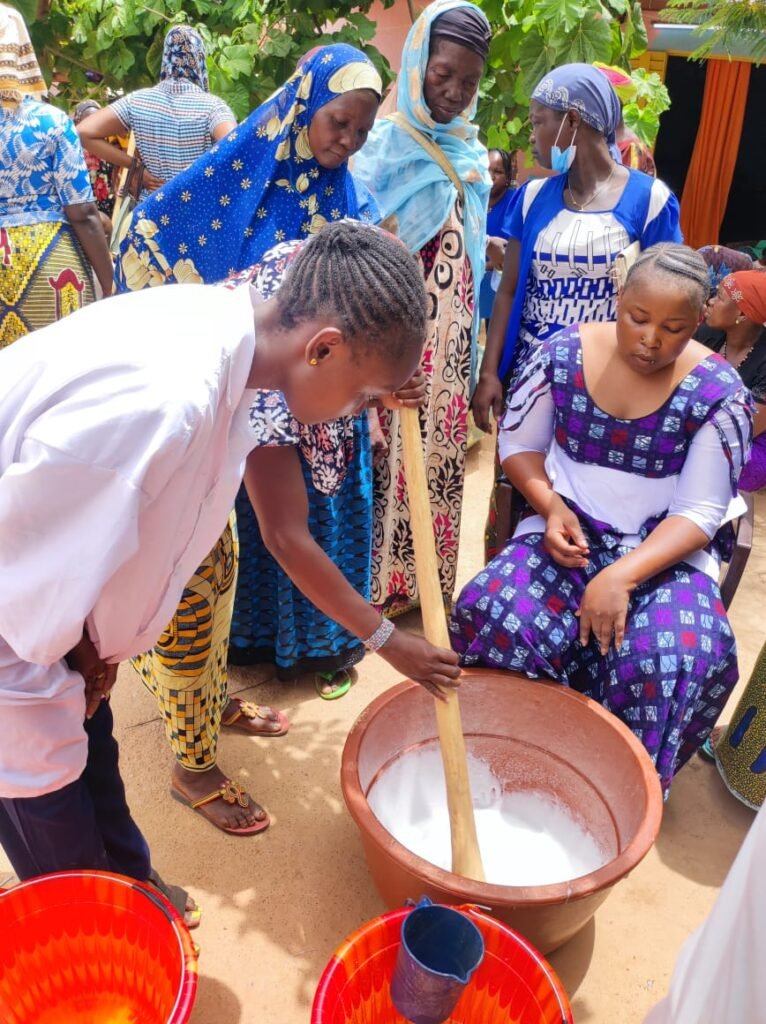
x=89 y=947
x=513 y=985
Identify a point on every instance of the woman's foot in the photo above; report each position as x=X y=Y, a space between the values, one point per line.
x=707 y=750
x=222 y=802
x=179 y=898
x=254 y=719
x=332 y=685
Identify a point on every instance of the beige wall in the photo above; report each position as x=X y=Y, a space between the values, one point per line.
x=393 y=26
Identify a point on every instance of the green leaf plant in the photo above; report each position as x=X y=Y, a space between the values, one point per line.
x=100 y=48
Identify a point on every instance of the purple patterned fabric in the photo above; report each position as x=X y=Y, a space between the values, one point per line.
x=753 y=476
x=672 y=676
x=678 y=663
x=653 y=446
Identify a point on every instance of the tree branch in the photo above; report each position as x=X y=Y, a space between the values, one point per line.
x=413 y=13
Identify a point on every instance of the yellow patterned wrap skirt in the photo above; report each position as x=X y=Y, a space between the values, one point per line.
x=43 y=276
x=741 y=751
x=187 y=670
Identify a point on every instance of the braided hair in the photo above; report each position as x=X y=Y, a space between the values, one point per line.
x=507 y=162
x=366 y=280
x=685 y=266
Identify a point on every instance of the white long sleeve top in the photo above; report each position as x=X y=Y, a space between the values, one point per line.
x=123 y=434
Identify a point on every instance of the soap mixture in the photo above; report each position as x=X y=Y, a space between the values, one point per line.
x=525 y=838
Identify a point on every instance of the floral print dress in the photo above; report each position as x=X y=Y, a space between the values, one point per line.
x=447 y=366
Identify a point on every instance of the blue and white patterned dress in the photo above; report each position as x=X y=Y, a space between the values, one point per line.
x=43 y=271
x=678 y=664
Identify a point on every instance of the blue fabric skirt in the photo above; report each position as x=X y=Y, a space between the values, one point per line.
x=273 y=621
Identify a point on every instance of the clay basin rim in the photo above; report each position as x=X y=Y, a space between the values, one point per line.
x=486 y=892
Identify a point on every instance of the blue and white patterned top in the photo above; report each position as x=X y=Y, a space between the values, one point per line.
x=42 y=165
x=173 y=123
x=567 y=257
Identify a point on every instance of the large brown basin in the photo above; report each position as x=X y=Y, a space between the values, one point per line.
x=535 y=736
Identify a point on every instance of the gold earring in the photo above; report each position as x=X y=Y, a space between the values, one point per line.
x=314 y=362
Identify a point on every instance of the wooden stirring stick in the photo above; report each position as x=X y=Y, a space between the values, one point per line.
x=466 y=859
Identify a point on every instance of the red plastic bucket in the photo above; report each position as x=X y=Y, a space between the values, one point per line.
x=89 y=947
x=513 y=985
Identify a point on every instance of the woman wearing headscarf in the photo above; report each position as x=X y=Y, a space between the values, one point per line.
x=50 y=232
x=428 y=172
x=735 y=326
x=173 y=122
x=283 y=174
x=722 y=261
x=566 y=232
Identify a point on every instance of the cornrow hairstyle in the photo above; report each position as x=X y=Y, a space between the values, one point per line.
x=366 y=280
x=685 y=265
x=507 y=161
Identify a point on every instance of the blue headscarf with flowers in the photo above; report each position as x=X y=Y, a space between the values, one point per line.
x=259 y=186
x=404 y=179
x=183 y=57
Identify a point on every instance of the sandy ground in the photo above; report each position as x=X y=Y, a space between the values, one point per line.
x=276 y=906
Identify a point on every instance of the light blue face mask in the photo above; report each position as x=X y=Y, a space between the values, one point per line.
x=561 y=162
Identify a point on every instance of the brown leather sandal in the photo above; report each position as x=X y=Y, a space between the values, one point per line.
x=246 y=711
x=231 y=793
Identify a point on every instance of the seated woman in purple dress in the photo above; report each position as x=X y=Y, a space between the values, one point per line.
x=626 y=439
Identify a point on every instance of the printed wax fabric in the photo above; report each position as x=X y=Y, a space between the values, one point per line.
x=259 y=186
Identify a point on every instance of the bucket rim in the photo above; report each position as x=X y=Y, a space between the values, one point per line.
x=487 y=893
x=188 y=958
x=396 y=917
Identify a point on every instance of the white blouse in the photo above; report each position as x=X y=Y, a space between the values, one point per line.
x=123 y=434
x=701 y=492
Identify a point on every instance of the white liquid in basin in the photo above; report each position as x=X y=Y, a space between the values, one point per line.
x=525 y=838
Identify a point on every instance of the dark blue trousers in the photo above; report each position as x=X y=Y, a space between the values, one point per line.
x=87 y=824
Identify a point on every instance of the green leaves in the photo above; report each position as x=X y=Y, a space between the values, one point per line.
x=645 y=122
x=536 y=59
x=252 y=45
x=736 y=26
x=562 y=15
x=590 y=40
x=652 y=98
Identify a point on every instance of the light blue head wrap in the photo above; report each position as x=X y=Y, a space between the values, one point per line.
x=409 y=183
x=587 y=90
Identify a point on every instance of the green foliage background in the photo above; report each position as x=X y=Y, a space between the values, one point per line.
x=253 y=46
x=730 y=23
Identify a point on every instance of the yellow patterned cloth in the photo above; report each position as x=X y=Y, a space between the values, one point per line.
x=43 y=277
x=186 y=671
x=741 y=751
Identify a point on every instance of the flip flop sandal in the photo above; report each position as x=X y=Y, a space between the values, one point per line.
x=178 y=898
x=248 y=711
x=231 y=793
x=321 y=680
x=707 y=750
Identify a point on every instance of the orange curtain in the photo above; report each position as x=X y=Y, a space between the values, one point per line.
x=711 y=170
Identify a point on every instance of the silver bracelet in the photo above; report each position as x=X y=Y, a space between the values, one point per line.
x=381 y=635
